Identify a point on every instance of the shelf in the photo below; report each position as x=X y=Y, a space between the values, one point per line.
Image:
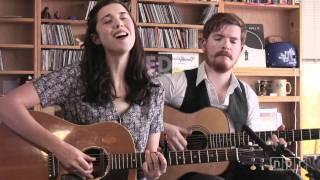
x=284 y=72
x=16 y=46
x=187 y=26
x=64 y=21
x=16 y=72
x=279 y=98
x=16 y=20
x=261 y=5
x=187 y=2
x=174 y=50
x=59 y=47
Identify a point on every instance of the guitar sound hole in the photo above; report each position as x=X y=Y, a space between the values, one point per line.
x=197 y=140
x=100 y=165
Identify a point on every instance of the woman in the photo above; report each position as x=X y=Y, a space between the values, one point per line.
x=111 y=82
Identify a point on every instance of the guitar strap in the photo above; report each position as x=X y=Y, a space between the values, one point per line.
x=196 y=98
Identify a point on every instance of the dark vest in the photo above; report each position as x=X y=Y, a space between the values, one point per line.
x=196 y=98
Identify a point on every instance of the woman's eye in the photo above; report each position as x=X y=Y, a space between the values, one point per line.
x=107 y=21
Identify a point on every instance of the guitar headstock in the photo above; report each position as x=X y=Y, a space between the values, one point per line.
x=253 y=156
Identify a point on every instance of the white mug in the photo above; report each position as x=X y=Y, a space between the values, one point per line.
x=281 y=87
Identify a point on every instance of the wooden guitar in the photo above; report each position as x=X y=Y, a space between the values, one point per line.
x=210 y=129
x=110 y=143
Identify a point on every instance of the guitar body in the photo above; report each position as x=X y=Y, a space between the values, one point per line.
x=206 y=121
x=19 y=159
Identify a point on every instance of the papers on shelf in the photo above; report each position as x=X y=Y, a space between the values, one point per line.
x=270 y=118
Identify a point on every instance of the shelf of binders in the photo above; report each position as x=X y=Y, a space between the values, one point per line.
x=186 y=2
x=172 y=26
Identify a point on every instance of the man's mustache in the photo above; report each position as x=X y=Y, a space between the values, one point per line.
x=223 y=53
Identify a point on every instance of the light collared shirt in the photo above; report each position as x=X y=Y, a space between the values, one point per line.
x=175 y=86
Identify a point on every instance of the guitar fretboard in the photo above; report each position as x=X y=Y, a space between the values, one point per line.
x=237 y=139
x=135 y=160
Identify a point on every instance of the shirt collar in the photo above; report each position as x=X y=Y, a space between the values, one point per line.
x=201 y=74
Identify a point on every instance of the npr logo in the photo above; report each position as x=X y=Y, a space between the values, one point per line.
x=285 y=163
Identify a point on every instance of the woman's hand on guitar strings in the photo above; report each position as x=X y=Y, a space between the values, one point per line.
x=176 y=137
x=155 y=165
x=74 y=160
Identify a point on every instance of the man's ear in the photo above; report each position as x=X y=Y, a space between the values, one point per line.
x=95 y=39
x=203 y=44
x=242 y=46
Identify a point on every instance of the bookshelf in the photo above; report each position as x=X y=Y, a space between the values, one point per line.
x=22 y=53
x=282 y=20
x=277 y=19
x=18 y=31
x=21 y=45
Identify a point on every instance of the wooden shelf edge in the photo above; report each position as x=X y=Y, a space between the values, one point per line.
x=187 y=2
x=286 y=72
x=16 y=46
x=187 y=26
x=15 y=72
x=59 y=47
x=174 y=50
x=279 y=99
x=16 y=20
x=261 y=5
x=64 y=21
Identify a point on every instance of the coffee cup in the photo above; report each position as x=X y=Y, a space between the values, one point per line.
x=281 y=87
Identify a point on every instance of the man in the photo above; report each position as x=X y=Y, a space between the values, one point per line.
x=214 y=84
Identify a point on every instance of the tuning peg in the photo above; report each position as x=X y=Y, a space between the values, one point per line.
x=250 y=143
x=269 y=142
x=269 y=167
x=253 y=167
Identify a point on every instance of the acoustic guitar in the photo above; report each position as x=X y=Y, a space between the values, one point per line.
x=110 y=143
x=210 y=129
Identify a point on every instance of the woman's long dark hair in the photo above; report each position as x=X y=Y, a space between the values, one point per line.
x=95 y=72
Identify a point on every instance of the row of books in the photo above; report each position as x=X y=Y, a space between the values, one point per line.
x=169 y=38
x=159 y=13
x=1 y=61
x=208 y=12
x=54 y=59
x=89 y=8
x=57 y=34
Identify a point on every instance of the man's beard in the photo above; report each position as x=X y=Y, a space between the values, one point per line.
x=221 y=66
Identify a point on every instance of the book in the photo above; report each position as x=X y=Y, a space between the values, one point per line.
x=270 y=118
x=253 y=54
x=182 y=61
x=1 y=61
x=158 y=64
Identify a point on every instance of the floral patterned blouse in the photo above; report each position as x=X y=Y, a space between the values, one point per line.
x=65 y=88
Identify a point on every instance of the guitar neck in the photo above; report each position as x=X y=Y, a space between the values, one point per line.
x=135 y=160
x=238 y=139
x=292 y=135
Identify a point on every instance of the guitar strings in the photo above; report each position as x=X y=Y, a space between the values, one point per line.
x=231 y=153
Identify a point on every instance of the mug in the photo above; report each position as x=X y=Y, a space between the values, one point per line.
x=281 y=87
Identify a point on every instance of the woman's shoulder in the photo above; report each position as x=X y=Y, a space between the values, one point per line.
x=72 y=69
